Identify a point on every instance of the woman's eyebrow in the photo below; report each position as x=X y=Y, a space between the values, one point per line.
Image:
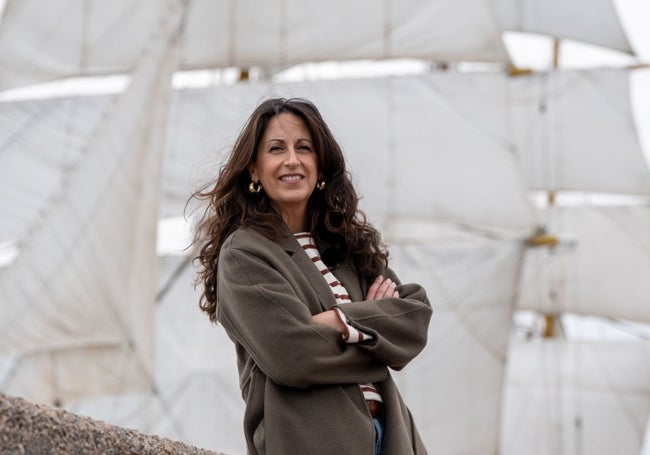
x=275 y=141
x=300 y=139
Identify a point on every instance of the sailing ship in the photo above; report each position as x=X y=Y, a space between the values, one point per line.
x=518 y=198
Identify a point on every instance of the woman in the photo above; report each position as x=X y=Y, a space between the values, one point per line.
x=300 y=283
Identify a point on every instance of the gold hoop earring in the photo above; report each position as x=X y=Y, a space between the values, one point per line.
x=320 y=186
x=254 y=187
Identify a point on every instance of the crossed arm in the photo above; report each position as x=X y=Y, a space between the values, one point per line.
x=381 y=288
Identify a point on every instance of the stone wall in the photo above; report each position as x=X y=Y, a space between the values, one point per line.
x=30 y=429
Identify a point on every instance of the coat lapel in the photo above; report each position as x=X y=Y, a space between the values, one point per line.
x=309 y=271
x=349 y=278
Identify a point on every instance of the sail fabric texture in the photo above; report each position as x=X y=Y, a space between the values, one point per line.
x=43 y=41
x=81 y=290
x=576 y=132
x=455 y=386
x=60 y=376
x=600 y=267
x=42 y=140
x=282 y=32
x=576 y=397
x=592 y=21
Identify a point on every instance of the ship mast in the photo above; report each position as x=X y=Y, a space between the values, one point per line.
x=552 y=323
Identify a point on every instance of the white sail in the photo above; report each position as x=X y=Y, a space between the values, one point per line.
x=569 y=125
x=591 y=21
x=40 y=141
x=82 y=287
x=286 y=32
x=455 y=385
x=567 y=397
x=43 y=41
x=58 y=376
x=600 y=267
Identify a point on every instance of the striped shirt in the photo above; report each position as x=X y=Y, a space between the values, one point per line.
x=352 y=334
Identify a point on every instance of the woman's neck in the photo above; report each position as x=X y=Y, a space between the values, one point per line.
x=295 y=226
x=296 y=221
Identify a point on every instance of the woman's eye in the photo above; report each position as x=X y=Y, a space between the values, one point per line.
x=275 y=148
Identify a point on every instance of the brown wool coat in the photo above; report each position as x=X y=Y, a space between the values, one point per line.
x=299 y=379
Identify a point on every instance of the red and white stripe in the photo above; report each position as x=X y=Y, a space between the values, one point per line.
x=352 y=335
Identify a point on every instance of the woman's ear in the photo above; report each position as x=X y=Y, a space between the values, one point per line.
x=253 y=173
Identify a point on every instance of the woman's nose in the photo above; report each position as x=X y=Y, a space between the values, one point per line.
x=291 y=158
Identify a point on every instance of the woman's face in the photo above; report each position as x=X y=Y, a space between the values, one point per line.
x=286 y=165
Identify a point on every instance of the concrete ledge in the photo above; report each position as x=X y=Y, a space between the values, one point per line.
x=31 y=429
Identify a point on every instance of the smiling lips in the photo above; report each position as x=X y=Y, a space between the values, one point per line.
x=291 y=178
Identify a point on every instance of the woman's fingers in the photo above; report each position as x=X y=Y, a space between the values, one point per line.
x=386 y=289
x=382 y=288
x=372 y=292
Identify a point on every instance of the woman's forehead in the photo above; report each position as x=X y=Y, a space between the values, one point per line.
x=286 y=125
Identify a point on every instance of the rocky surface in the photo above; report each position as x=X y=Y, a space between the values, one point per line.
x=31 y=429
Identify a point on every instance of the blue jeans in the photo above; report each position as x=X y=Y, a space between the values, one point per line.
x=379 y=434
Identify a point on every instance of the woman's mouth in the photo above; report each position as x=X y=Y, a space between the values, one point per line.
x=291 y=178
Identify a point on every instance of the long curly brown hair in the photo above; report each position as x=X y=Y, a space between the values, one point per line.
x=332 y=214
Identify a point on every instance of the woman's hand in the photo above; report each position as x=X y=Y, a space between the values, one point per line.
x=381 y=289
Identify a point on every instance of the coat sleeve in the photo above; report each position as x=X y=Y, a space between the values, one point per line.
x=260 y=310
x=399 y=325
